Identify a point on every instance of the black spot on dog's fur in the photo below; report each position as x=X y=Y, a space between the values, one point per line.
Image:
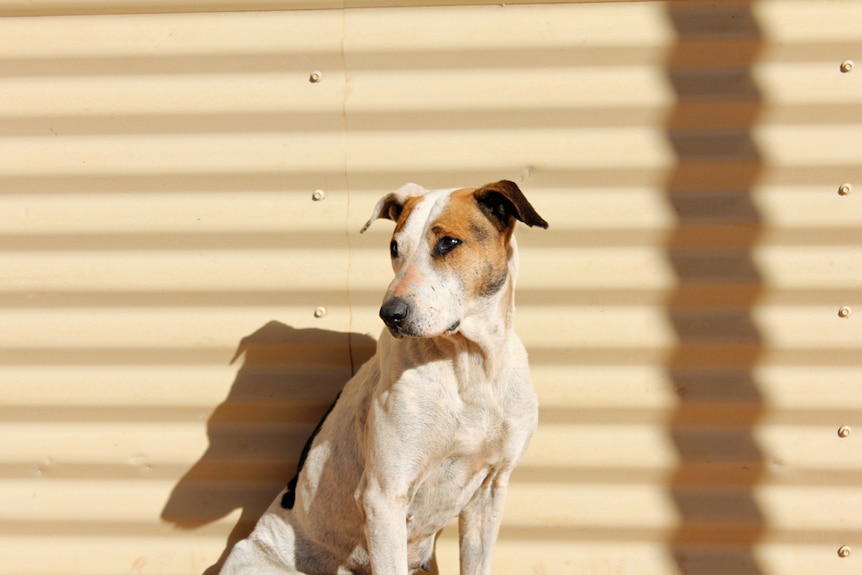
x=288 y=500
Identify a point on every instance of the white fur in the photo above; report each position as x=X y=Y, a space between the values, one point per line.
x=428 y=429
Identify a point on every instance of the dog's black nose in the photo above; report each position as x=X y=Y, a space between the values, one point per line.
x=394 y=312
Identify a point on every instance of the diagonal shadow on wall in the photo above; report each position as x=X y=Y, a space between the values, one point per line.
x=717 y=286
x=287 y=380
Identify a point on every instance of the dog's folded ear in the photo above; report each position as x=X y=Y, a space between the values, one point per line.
x=390 y=206
x=501 y=201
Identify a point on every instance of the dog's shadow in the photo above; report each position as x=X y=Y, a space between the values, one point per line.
x=288 y=379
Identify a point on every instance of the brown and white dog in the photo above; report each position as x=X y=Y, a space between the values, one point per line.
x=431 y=427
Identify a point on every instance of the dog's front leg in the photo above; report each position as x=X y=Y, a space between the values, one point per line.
x=385 y=507
x=394 y=458
x=479 y=525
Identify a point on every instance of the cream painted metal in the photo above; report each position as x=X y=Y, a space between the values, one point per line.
x=65 y=7
x=179 y=307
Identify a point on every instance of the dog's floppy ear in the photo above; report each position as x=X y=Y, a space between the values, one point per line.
x=391 y=205
x=501 y=201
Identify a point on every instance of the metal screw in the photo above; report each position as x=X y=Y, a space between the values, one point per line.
x=315 y=77
x=844 y=431
x=845 y=189
x=318 y=195
x=844 y=311
x=844 y=551
x=847 y=66
x=319 y=312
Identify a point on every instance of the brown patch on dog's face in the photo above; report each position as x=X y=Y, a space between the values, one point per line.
x=465 y=242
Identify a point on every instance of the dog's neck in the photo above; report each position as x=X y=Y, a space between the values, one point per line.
x=485 y=336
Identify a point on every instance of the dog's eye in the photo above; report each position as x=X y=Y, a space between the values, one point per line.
x=446 y=244
x=393 y=249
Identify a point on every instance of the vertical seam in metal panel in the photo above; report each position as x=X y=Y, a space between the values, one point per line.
x=345 y=127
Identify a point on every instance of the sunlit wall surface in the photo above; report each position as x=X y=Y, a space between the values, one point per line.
x=184 y=289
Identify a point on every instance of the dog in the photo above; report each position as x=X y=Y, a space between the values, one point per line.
x=431 y=427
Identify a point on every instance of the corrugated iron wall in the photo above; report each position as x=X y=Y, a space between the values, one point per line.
x=183 y=287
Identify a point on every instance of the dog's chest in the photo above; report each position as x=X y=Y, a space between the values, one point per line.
x=475 y=451
x=479 y=434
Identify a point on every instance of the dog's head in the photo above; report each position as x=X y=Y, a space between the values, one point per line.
x=452 y=252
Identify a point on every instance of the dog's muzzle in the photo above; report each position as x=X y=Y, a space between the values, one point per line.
x=394 y=313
